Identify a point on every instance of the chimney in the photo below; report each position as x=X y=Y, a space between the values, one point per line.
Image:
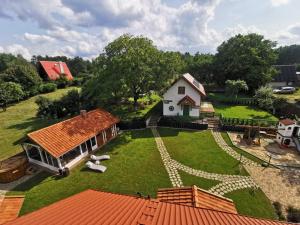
x=83 y=113
x=61 y=67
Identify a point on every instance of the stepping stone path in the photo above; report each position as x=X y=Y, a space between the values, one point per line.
x=228 y=182
x=171 y=169
x=223 y=145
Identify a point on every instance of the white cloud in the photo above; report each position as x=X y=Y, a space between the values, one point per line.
x=279 y=2
x=16 y=49
x=87 y=26
x=36 y=38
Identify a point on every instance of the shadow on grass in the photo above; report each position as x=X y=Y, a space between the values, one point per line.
x=32 y=182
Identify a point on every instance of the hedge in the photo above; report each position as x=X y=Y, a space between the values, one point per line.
x=132 y=124
x=171 y=122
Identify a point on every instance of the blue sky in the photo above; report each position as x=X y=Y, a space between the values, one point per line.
x=76 y=27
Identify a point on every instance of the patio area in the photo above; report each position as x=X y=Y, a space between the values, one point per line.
x=268 y=148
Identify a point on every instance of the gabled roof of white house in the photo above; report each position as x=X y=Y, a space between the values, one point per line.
x=194 y=83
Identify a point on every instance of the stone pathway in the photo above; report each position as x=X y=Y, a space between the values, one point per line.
x=171 y=169
x=223 y=145
x=228 y=182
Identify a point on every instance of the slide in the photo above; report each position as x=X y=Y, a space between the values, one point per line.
x=297 y=142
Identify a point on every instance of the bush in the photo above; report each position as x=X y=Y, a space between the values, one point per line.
x=278 y=210
x=69 y=104
x=47 y=88
x=10 y=92
x=77 y=81
x=136 y=123
x=62 y=82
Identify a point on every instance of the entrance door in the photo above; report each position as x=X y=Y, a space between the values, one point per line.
x=186 y=110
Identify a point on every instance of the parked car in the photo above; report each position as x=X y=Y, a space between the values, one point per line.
x=284 y=90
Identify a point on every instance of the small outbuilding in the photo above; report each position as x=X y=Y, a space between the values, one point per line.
x=288 y=133
x=64 y=144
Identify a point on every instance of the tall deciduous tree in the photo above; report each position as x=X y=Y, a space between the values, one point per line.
x=130 y=66
x=246 y=57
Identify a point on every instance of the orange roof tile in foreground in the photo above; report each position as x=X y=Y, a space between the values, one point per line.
x=10 y=207
x=66 y=135
x=96 y=207
x=196 y=197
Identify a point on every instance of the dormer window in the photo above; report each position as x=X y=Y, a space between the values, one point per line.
x=181 y=90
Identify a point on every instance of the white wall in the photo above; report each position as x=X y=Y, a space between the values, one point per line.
x=286 y=131
x=172 y=94
x=278 y=84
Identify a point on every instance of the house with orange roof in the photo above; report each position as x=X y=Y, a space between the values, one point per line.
x=98 y=207
x=52 y=70
x=183 y=97
x=64 y=144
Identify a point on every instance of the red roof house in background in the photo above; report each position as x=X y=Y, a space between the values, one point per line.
x=54 y=70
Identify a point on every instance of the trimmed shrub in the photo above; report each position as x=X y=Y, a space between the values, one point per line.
x=47 y=87
x=173 y=122
x=278 y=210
x=136 y=123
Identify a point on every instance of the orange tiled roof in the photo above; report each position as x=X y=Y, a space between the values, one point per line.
x=96 y=207
x=64 y=136
x=10 y=207
x=287 y=122
x=196 y=197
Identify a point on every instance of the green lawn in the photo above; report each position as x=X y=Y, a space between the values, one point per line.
x=199 y=151
x=20 y=119
x=243 y=111
x=189 y=180
x=251 y=203
x=135 y=166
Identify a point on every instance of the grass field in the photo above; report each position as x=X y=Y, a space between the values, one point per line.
x=199 y=151
x=243 y=111
x=252 y=203
x=20 y=119
x=135 y=166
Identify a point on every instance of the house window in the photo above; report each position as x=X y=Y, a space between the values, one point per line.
x=83 y=147
x=181 y=90
x=93 y=141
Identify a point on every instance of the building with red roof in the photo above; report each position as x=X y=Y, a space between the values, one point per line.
x=63 y=144
x=97 y=207
x=51 y=70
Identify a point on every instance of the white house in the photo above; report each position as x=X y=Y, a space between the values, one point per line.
x=288 y=133
x=64 y=144
x=183 y=98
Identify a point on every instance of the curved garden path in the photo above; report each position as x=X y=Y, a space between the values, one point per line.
x=228 y=182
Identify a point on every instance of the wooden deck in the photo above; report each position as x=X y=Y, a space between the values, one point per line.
x=10 y=207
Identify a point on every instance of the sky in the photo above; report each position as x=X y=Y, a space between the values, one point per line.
x=84 y=27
